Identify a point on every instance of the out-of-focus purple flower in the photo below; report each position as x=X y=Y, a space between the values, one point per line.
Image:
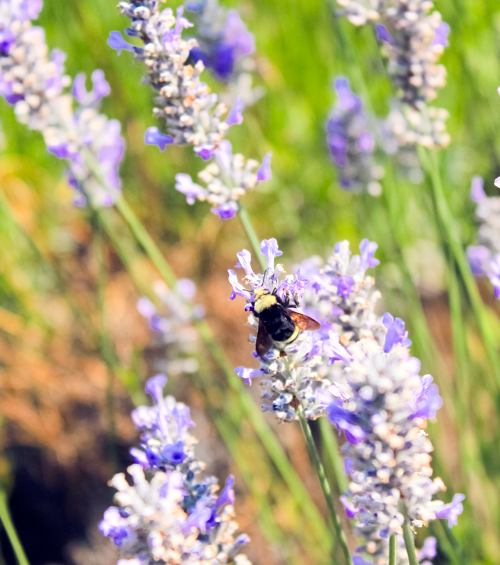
x=429 y=549
x=264 y=172
x=476 y=190
x=248 y=374
x=270 y=250
x=452 y=510
x=206 y=151
x=479 y=259
x=384 y=35
x=72 y=127
x=427 y=401
x=117 y=42
x=235 y=116
x=395 y=332
x=153 y=136
x=349 y=508
x=227 y=495
x=494 y=274
x=441 y=36
x=192 y=190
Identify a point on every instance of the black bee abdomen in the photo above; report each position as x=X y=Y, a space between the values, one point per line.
x=278 y=323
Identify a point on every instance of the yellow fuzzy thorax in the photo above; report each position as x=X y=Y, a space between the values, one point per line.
x=263 y=300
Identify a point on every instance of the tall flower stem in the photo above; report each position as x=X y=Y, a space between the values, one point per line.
x=409 y=543
x=430 y=162
x=252 y=235
x=325 y=485
x=266 y=436
x=392 y=549
x=10 y=529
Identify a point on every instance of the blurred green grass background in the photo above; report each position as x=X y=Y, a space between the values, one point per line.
x=301 y=48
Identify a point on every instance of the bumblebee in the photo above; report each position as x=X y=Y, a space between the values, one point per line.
x=277 y=323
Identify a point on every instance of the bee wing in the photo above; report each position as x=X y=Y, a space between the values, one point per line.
x=264 y=341
x=304 y=322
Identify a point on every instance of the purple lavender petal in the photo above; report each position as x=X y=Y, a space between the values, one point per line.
x=226 y=211
x=248 y=374
x=350 y=511
x=227 y=495
x=101 y=86
x=452 y=510
x=395 y=332
x=264 y=172
x=186 y=185
x=155 y=137
x=235 y=116
x=429 y=550
x=479 y=258
x=441 y=37
x=269 y=248
x=206 y=151
x=476 y=190
x=384 y=35
x=117 y=42
x=154 y=387
x=368 y=249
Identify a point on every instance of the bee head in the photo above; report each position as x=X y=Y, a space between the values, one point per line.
x=264 y=298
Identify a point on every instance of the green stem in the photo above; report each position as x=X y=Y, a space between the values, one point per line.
x=329 y=443
x=430 y=162
x=105 y=339
x=325 y=485
x=10 y=529
x=252 y=236
x=409 y=543
x=392 y=549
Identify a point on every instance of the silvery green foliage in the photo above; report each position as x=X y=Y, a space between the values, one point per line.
x=34 y=82
x=173 y=516
x=192 y=114
x=173 y=333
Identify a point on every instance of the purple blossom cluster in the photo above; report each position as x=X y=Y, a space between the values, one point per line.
x=192 y=113
x=171 y=326
x=227 y=178
x=356 y=370
x=226 y=48
x=484 y=258
x=377 y=398
x=173 y=517
x=413 y=38
x=73 y=129
x=351 y=143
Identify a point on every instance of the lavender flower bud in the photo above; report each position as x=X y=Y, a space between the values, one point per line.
x=174 y=517
x=227 y=179
x=35 y=83
x=192 y=114
x=351 y=144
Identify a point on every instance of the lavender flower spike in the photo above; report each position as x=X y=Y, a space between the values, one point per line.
x=484 y=258
x=292 y=380
x=227 y=179
x=192 y=115
x=173 y=517
x=351 y=144
x=389 y=457
x=42 y=104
